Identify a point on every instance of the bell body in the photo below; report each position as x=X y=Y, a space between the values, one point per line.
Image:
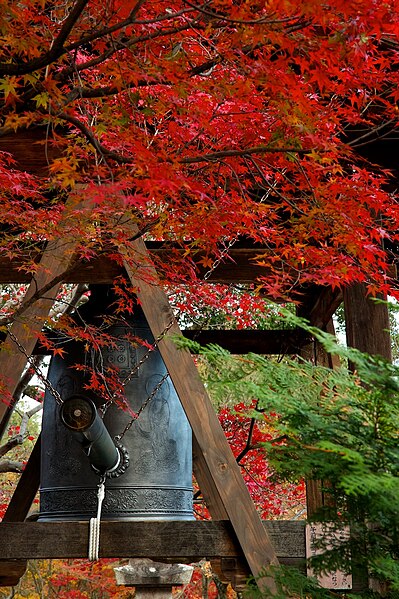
x=157 y=484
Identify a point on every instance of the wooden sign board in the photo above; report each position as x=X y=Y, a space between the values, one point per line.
x=314 y=532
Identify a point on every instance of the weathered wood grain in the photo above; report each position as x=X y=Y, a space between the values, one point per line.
x=215 y=462
x=43 y=289
x=175 y=540
x=26 y=489
x=242 y=268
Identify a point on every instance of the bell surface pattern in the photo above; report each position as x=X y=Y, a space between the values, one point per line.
x=157 y=484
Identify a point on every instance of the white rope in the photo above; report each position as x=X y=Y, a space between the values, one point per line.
x=94 y=531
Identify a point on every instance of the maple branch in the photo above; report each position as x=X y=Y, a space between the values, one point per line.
x=354 y=143
x=122 y=44
x=261 y=21
x=93 y=140
x=6 y=320
x=211 y=157
x=130 y=20
x=57 y=48
x=103 y=92
x=68 y=25
x=214 y=156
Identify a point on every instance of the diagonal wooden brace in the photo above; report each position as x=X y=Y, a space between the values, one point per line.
x=216 y=470
x=43 y=289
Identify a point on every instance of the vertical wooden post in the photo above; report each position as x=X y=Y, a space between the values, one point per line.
x=367 y=322
x=17 y=510
x=318 y=309
x=367 y=329
x=315 y=496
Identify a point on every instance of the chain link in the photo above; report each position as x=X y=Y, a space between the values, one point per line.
x=136 y=367
x=38 y=373
x=48 y=385
x=142 y=407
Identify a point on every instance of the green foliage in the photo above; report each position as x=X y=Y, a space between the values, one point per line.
x=331 y=426
x=286 y=579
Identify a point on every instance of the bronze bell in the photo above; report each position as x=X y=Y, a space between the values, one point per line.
x=149 y=470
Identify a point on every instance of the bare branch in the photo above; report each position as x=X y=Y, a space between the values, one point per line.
x=25 y=379
x=68 y=25
x=57 y=48
x=10 y=444
x=215 y=156
x=11 y=466
x=6 y=320
x=20 y=437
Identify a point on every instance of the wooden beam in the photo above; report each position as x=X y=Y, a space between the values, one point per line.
x=284 y=341
x=26 y=489
x=240 y=268
x=167 y=540
x=21 y=501
x=31 y=149
x=318 y=305
x=242 y=341
x=215 y=461
x=11 y=571
x=25 y=328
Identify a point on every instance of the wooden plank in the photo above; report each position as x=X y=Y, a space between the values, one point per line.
x=367 y=322
x=55 y=261
x=26 y=489
x=242 y=268
x=215 y=456
x=17 y=510
x=170 y=540
x=243 y=341
x=207 y=484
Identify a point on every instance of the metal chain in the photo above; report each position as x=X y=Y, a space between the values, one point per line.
x=38 y=373
x=143 y=406
x=136 y=367
x=48 y=385
x=216 y=263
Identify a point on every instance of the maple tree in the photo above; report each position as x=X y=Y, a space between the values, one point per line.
x=203 y=123
x=199 y=125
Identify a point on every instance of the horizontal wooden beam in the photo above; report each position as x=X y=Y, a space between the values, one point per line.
x=168 y=540
x=11 y=571
x=240 y=268
x=243 y=341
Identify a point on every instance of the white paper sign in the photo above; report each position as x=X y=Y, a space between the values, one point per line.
x=314 y=532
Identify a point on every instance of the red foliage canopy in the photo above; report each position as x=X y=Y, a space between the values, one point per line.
x=205 y=123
